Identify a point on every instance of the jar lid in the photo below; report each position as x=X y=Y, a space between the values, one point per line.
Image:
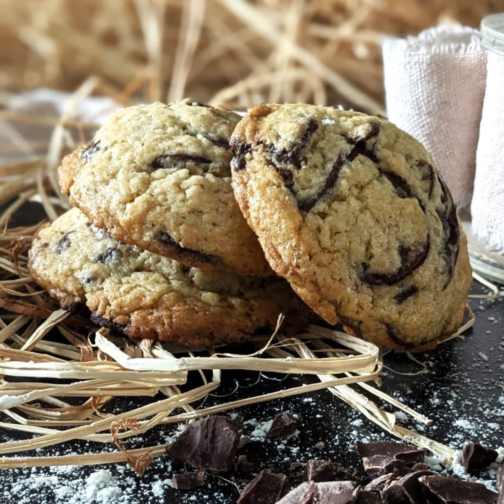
x=492 y=33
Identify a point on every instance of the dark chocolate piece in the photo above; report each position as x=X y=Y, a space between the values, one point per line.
x=185 y=253
x=332 y=492
x=427 y=174
x=475 y=456
x=240 y=150
x=360 y=147
x=393 y=334
x=292 y=156
x=208 y=444
x=400 y=451
x=410 y=261
x=90 y=151
x=380 y=483
x=377 y=465
x=160 y=161
x=374 y=129
x=64 y=244
x=103 y=322
x=188 y=481
x=394 y=494
x=108 y=255
x=319 y=470
x=400 y=297
x=412 y=486
x=265 y=488
x=284 y=424
x=442 y=490
x=367 y=497
x=242 y=465
x=400 y=185
x=305 y=205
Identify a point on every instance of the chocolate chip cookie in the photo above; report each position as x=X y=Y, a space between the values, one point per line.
x=352 y=212
x=145 y=295
x=158 y=176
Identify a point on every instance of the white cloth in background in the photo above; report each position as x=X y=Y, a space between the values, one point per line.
x=434 y=86
x=487 y=206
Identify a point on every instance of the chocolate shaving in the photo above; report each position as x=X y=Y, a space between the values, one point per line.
x=442 y=490
x=188 y=481
x=160 y=161
x=265 y=488
x=186 y=254
x=319 y=470
x=475 y=456
x=284 y=424
x=208 y=444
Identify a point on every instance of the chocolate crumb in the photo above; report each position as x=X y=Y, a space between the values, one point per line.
x=320 y=470
x=284 y=424
x=442 y=490
x=265 y=488
x=208 y=444
x=475 y=456
x=188 y=481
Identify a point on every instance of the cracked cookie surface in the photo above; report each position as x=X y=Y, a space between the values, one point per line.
x=141 y=294
x=158 y=176
x=351 y=211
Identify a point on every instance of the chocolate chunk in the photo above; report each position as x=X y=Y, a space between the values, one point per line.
x=499 y=477
x=185 y=253
x=377 y=465
x=400 y=451
x=400 y=297
x=475 y=456
x=410 y=260
x=240 y=150
x=442 y=490
x=103 y=322
x=243 y=465
x=64 y=244
x=320 y=470
x=243 y=441
x=305 y=205
x=219 y=142
x=90 y=151
x=395 y=336
x=372 y=131
x=188 y=481
x=284 y=424
x=427 y=172
x=412 y=486
x=366 y=497
x=359 y=141
x=333 y=492
x=292 y=156
x=400 y=185
x=380 y=483
x=79 y=309
x=108 y=255
x=208 y=444
x=394 y=494
x=164 y=160
x=265 y=488
x=287 y=176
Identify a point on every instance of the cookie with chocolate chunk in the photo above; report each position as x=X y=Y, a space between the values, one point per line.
x=141 y=294
x=352 y=212
x=158 y=176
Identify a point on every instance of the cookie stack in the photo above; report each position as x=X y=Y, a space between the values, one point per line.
x=191 y=222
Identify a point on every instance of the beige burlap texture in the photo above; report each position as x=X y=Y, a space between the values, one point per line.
x=487 y=206
x=434 y=86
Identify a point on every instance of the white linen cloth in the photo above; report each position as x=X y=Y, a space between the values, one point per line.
x=434 y=86
x=487 y=206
